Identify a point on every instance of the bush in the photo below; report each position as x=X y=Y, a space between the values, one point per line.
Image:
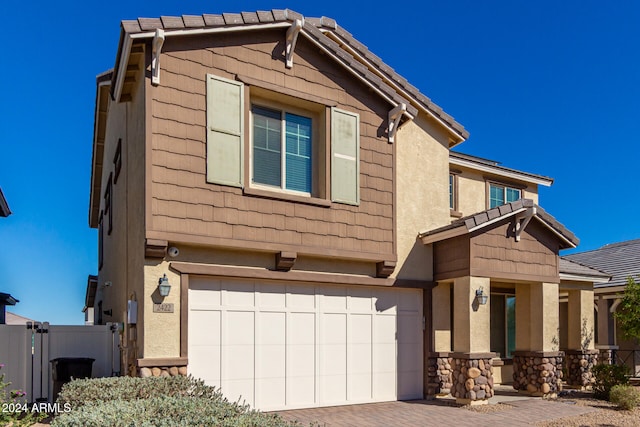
x=14 y=410
x=81 y=392
x=145 y=402
x=608 y=376
x=625 y=396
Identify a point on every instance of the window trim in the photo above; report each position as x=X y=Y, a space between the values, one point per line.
x=320 y=163
x=108 y=203
x=453 y=184
x=504 y=186
x=117 y=161
x=100 y=241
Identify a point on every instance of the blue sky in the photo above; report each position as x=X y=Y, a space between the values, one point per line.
x=549 y=87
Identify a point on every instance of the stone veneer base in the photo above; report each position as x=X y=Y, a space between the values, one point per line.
x=538 y=373
x=162 y=371
x=579 y=364
x=438 y=378
x=472 y=377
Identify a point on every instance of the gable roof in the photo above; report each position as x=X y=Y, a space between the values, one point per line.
x=620 y=260
x=16 y=319
x=4 y=206
x=483 y=219
x=323 y=32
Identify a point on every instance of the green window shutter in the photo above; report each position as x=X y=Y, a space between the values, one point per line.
x=225 y=130
x=345 y=157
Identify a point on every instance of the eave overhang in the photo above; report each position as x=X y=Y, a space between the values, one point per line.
x=90 y=294
x=493 y=168
x=103 y=84
x=523 y=208
x=7 y=299
x=4 y=206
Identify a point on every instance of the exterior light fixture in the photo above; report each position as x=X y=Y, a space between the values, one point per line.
x=481 y=297
x=163 y=286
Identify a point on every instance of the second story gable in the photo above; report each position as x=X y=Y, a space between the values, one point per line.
x=267 y=133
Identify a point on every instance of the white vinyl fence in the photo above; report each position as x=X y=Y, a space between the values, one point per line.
x=26 y=352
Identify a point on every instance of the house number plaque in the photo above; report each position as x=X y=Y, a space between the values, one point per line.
x=166 y=307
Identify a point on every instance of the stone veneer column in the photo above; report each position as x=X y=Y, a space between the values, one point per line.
x=439 y=374
x=538 y=373
x=162 y=371
x=472 y=376
x=579 y=364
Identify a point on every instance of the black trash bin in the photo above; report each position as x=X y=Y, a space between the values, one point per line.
x=64 y=369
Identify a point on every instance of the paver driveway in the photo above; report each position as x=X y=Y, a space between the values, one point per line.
x=434 y=413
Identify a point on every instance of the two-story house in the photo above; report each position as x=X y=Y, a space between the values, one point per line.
x=280 y=214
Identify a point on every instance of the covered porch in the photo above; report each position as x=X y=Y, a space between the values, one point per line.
x=495 y=314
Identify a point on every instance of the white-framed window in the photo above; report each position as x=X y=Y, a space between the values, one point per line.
x=282 y=149
x=502 y=194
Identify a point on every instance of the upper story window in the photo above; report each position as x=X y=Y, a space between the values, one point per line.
x=452 y=191
x=282 y=150
x=501 y=194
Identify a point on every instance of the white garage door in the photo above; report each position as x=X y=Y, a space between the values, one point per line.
x=297 y=346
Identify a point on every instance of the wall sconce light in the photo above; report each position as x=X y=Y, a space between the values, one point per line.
x=163 y=286
x=481 y=297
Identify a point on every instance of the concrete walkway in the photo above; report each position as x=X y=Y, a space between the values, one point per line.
x=520 y=412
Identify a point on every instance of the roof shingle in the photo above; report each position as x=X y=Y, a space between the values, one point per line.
x=620 y=260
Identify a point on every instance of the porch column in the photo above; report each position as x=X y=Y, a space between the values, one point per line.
x=537 y=363
x=471 y=359
x=581 y=353
x=606 y=344
x=439 y=362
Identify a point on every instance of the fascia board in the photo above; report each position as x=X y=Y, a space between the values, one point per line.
x=520 y=176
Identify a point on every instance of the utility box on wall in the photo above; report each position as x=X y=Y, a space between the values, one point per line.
x=132 y=312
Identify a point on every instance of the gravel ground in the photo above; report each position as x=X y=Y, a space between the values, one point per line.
x=607 y=416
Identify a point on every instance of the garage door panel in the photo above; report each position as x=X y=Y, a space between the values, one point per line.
x=271 y=392
x=239 y=294
x=360 y=386
x=409 y=329
x=204 y=327
x=272 y=328
x=271 y=296
x=204 y=362
x=333 y=298
x=360 y=358
x=302 y=327
x=386 y=301
x=301 y=391
x=301 y=297
x=360 y=300
x=239 y=389
x=384 y=385
x=385 y=329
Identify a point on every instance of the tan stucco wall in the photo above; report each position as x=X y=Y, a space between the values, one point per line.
x=472 y=190
x=441 y=317
x=537 y=317
x=471 y=321
x=124 y=247
x=580 y=320
x=161 y=330
x=422 y=194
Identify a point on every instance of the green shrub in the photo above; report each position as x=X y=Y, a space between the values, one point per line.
x=625 y=396
x=166 y=412
x=81 y=392
x=14 y=410
x=608 y=376
x=145 y=402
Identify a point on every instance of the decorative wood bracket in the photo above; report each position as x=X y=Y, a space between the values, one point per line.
x=385 y=268
x=285 y=260
x=155 y=248
x=522 y=220
x=292 y=38
x=394 y=120
x=615 y=305
x=158 y=41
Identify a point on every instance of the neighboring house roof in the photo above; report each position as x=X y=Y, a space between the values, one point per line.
x=103 y=82
x=491 y=166
x=324 y=32
x=15 y=319
x=620 y=260
x=571 y=270
x=4 y=206
x=6 y=299
x=485 y=218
